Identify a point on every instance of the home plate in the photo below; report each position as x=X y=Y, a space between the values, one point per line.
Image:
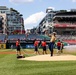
x=49 y=58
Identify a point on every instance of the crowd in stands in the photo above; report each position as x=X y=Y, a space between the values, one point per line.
x=70 y=39
x=66 y=37
x=16 y=37
x=4 y=38
x=27 y=37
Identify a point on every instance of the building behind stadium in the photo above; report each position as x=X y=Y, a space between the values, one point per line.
x=61 y=21
x=11 y=21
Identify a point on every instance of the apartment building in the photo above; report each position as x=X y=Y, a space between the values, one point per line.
x=11 y=21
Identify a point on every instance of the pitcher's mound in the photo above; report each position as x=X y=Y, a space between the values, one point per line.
x=49 y=58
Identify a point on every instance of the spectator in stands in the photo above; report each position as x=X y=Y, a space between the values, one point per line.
x=18 y=47
x=58 y=47
x=44 y=46
x=36 y=46
x=52 y=42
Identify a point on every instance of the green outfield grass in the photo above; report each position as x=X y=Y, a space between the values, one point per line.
x=9 y=65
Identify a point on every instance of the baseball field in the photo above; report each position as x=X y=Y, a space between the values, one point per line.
x=10 y=65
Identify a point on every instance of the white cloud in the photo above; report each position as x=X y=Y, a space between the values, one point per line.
x=34 y=19
x=20 y=1
x=70 y=0
x=74 y=0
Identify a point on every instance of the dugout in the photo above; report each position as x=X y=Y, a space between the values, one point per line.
x=24 y=43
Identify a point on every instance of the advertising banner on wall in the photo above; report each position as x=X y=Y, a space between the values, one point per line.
x=2 y=46
x=29 y=46
x=64 y=25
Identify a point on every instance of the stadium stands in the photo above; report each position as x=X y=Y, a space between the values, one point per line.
x=17 y=36
x=25 y=40
x=2 y=38
x=29 y=37
x=70 y=39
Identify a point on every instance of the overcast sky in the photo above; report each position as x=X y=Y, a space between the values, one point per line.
x=34 y=10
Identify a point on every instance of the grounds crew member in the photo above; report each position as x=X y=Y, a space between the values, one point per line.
x=36 y=46
x=44 y=46
x=18 y=47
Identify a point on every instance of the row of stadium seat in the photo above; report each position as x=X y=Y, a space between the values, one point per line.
x=29 y=37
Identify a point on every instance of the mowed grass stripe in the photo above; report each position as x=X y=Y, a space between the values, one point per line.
x=9 y=65
x=35 y=68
